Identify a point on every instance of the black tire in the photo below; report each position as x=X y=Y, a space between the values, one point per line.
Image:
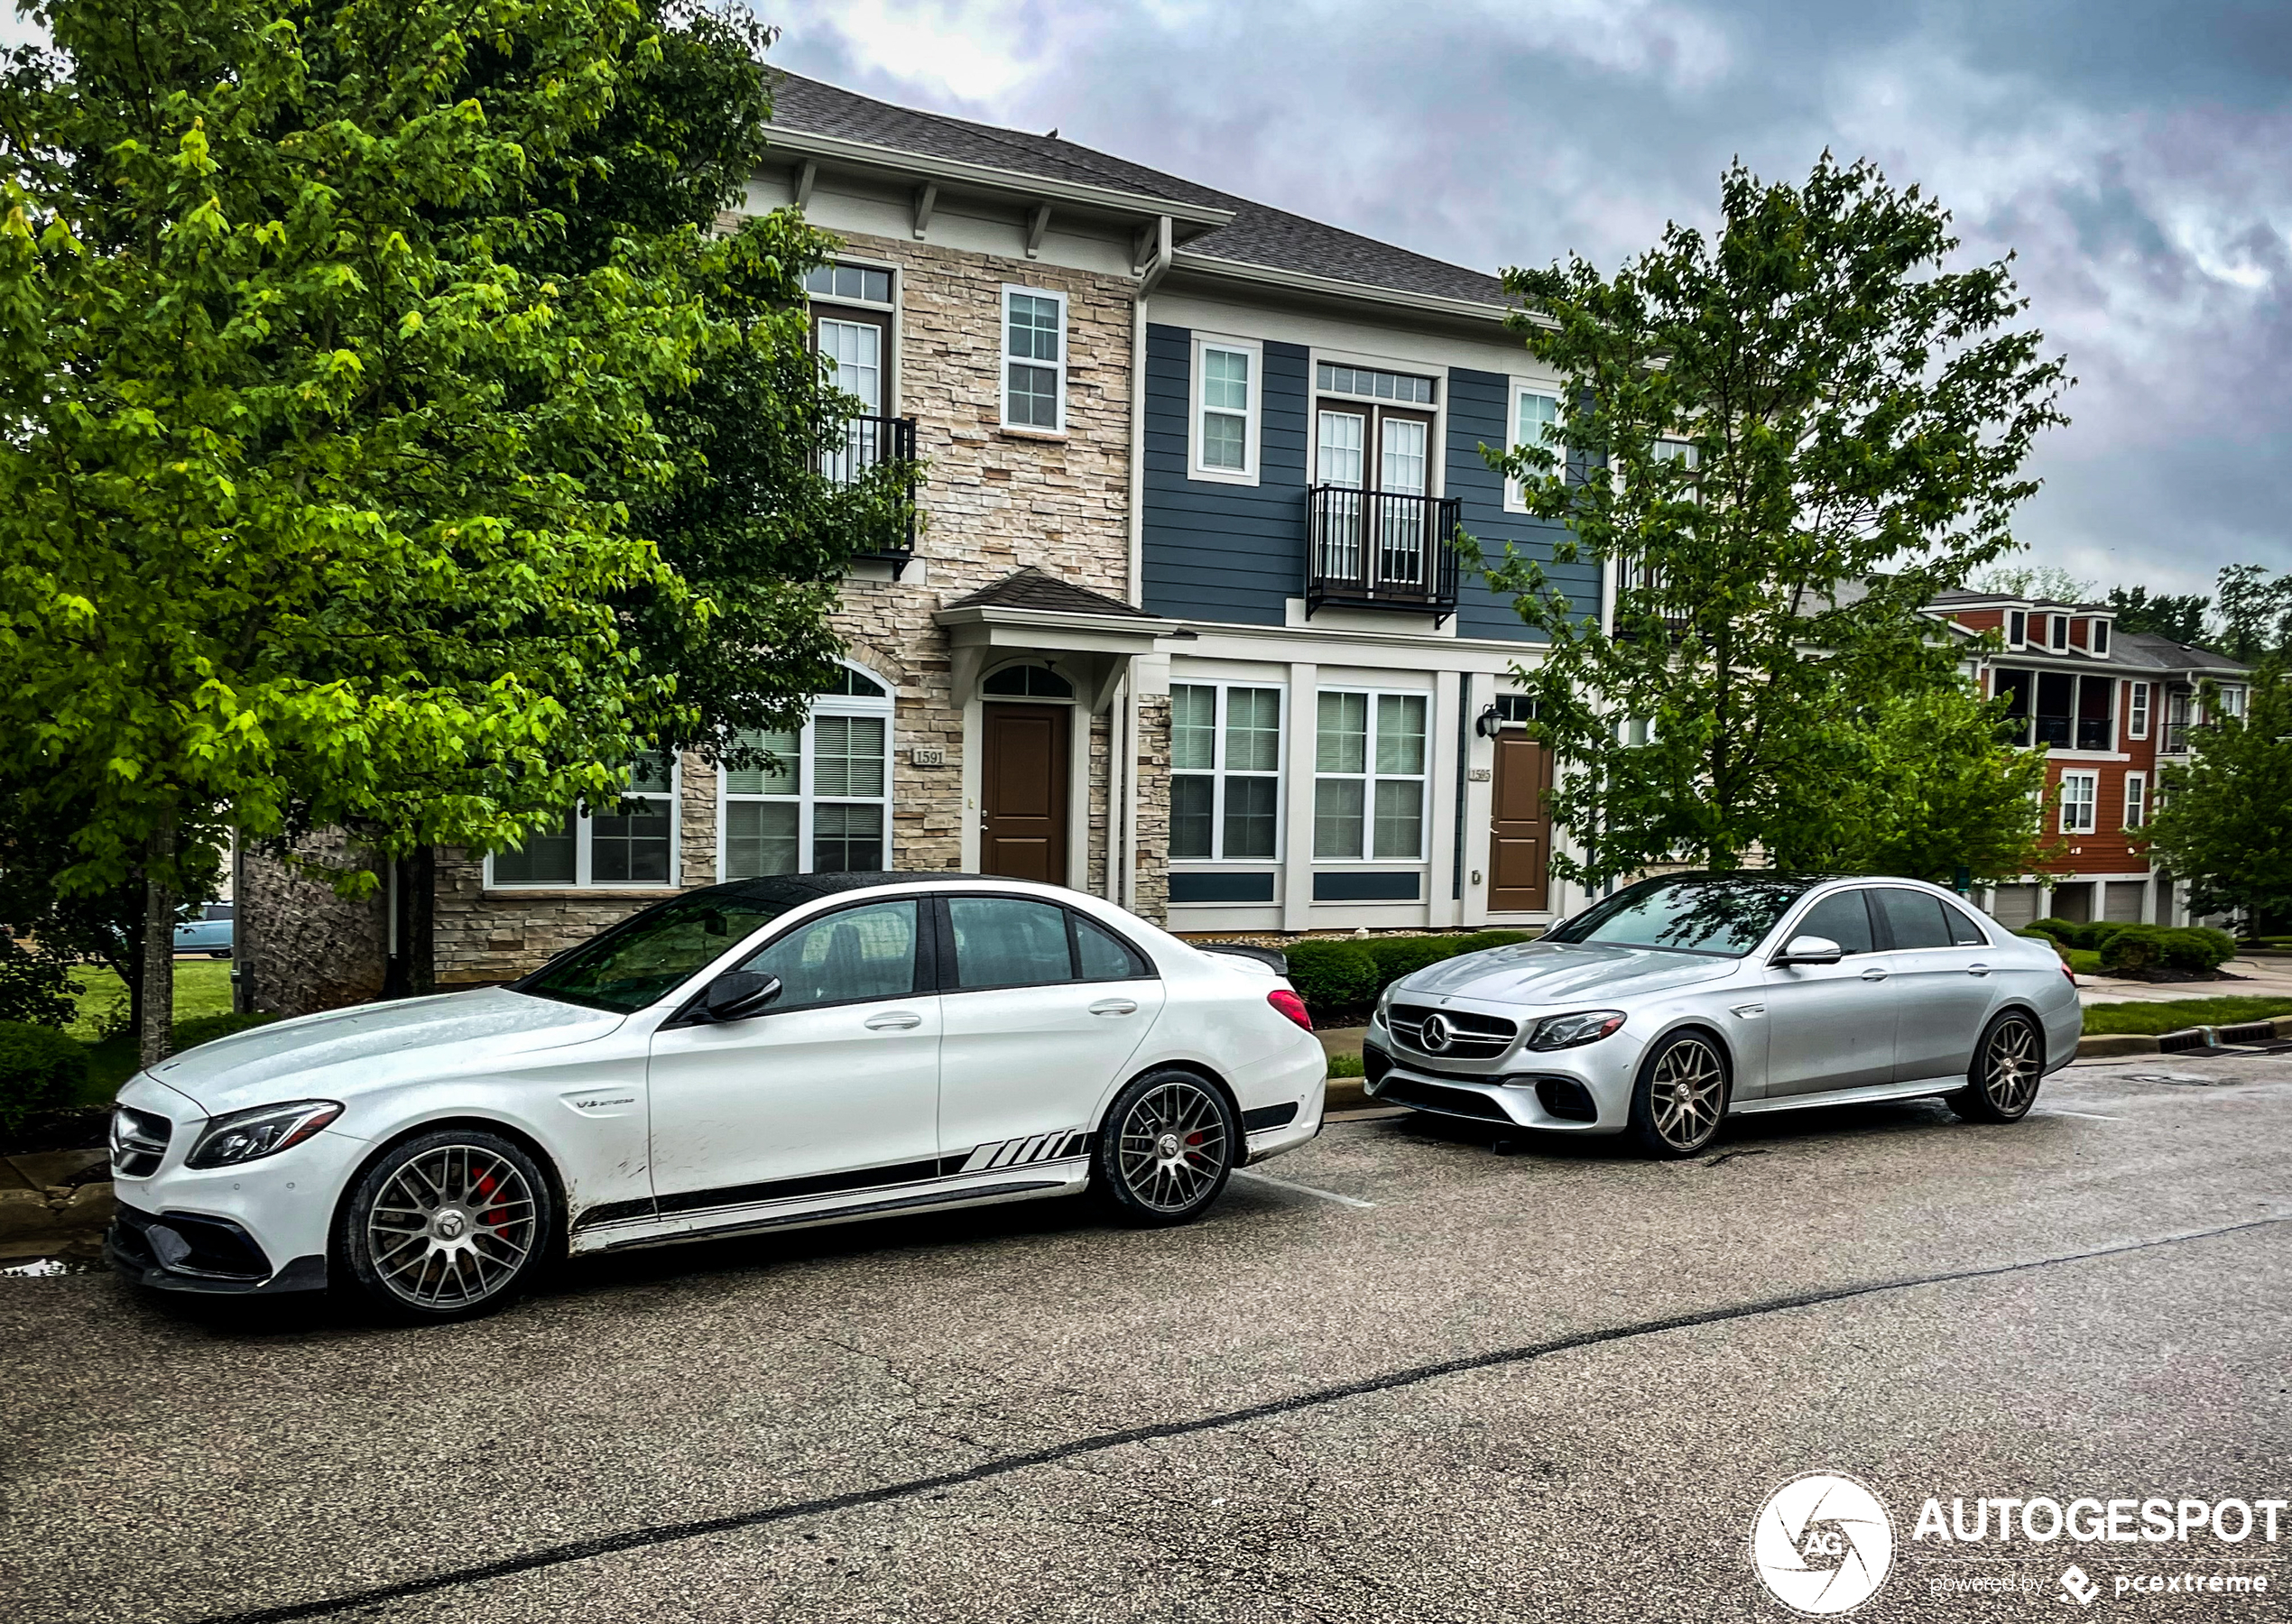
x=221 y=953
x=2008 y=1066
x=1680 y=1096
x=1164 y=1152
x=477 y=1218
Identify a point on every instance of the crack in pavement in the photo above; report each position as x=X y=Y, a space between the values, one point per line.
x=789 y=1512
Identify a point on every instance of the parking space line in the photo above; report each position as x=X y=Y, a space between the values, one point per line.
x=2090 y=1116
x=1304 y=1189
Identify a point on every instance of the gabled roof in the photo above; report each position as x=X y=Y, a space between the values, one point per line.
x=1028 y=587
x=1257 y=235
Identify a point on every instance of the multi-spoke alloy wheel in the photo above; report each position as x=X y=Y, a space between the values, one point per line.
x=2009 y=1064
x=1680 y=1096
x=1165 y=1150
x=447 y=1226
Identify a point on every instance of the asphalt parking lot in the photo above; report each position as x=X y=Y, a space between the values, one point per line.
x=1405 y=1375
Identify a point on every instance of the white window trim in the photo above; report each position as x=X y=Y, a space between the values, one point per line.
x=1002 y=358
x=2005 y=629
x=1252 y=425
x=865 y=264
x=1515 y=497
x=1218 y=773
x=2136 y=781
x=2232 y=696
x=1436 y=440
x=807 y=798
x=2137 y=714
x=2090 y=801
x=1369 y=777
x=582 y=862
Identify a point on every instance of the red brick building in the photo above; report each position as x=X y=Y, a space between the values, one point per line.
x=2109 y=708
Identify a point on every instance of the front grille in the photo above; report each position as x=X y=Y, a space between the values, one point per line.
x=1432 y=1096
x=138 y=1142
x=1470 y=1036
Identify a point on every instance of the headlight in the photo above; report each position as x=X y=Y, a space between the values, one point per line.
x=266 y=1130
x=1573 y=1032
x=1384 y=1000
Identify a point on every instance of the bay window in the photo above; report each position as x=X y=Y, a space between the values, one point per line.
x=1369 y=776
x=1225 y=763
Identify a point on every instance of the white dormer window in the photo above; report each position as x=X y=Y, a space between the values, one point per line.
x=2099 y=638
x=2060 y=630
x=2017 y=628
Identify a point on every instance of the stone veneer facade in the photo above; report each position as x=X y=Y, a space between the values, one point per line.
x=994 y=499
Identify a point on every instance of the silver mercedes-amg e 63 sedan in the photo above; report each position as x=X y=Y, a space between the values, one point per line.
x=1677 y=1001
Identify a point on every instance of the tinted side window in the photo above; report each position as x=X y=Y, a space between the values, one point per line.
x=1966 y=931
x=1009 y=942
x=1914 y=919
x=860 y=953
x=1844 y=919
x=1103 y=956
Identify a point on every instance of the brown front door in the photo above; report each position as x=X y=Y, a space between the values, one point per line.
x=1519 y=841
x=1022 y=814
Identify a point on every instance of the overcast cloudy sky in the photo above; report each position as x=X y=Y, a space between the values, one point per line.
x=2138 y=158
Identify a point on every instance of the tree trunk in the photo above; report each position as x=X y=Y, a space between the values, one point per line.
x=155 y=1020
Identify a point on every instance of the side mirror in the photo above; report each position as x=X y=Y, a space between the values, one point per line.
x=1811 y=950
x=737 y=994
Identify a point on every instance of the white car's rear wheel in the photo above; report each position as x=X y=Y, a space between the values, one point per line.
x=447 y=1226
x=1165 y=1150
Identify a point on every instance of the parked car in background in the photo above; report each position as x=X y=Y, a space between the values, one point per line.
x=749 y=1058
x=205 y=929
x=1683 y=1000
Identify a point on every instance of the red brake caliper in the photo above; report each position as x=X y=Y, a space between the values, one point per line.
x=494 y=1216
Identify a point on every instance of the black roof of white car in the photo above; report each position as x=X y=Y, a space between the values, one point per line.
x=794 y=888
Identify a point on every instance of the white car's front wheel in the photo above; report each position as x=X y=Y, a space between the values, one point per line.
x=1165 y=1150
x=447 y=1225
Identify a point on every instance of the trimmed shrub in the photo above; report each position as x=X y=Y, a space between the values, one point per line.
x=2132 y=950
x=1396 y=956
x=1332 y=976
x=2196 y=949
x=39 y=1070
x=1480 y=941
x=2063 y=931
x=207 y=1029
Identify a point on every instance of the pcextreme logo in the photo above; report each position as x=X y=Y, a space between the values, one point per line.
x=1821 y=1545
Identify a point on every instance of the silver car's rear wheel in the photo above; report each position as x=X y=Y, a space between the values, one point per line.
x=2009 y=1064
x=1165 y=1150
x=447 y=1226
x=1681 y=1097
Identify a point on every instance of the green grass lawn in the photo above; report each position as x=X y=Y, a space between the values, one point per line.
x=2154 y=1018
x=202 y=987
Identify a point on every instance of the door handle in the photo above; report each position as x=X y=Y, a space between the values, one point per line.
x=1114 y=1006
x=1873 y=976
x=1977 y=969
x=895 y=1021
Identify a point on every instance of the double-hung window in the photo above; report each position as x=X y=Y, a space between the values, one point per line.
x=632 y=843
x=2232 y=703
x=2078 y=794
x=2136 y=800
x=824 y=804
x=1227 y=391
x=1535 y=419
x=1369 y=776
x=1035 y=359
x=1225 y=767
x=2137 y=710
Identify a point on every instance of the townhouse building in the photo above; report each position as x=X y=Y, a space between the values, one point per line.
x=1177 y=624
x=2111 y=708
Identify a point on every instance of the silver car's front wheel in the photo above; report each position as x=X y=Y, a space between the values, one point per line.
x=2009 y=1064
x=1680 y=1096
x=447 y=1226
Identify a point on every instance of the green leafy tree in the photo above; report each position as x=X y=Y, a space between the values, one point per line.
x=2256 y=611
x=2223 y=821
x=2178 y=616
x=1785 y=441
x=300 y=516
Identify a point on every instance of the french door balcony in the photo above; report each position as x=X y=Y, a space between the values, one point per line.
x=869 y=443
x=1380 y=549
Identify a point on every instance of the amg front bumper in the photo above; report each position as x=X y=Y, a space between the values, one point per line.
x=183 y=1251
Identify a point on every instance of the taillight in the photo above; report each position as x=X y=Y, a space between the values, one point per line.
x=1292 y=1005
x=2067 y=971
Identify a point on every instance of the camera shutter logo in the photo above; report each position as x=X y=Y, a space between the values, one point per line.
x=1821 y=1545
x=1434 y=1036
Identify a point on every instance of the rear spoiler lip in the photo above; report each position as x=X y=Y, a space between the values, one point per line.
x=1263 y=955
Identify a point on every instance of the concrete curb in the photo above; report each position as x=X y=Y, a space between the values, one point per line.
x=2102 y=1045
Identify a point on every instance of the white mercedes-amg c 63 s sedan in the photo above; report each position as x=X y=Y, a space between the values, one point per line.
x=1683 y=1000
x=765 y=1055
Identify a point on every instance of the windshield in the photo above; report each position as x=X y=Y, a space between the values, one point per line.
x=1727 y=916
x=643 y=958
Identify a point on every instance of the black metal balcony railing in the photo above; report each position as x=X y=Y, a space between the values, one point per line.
x=870 y=442
x=1373 y=548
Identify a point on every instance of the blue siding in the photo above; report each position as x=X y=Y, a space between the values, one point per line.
x=1214 y=551
x=1477 y=404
